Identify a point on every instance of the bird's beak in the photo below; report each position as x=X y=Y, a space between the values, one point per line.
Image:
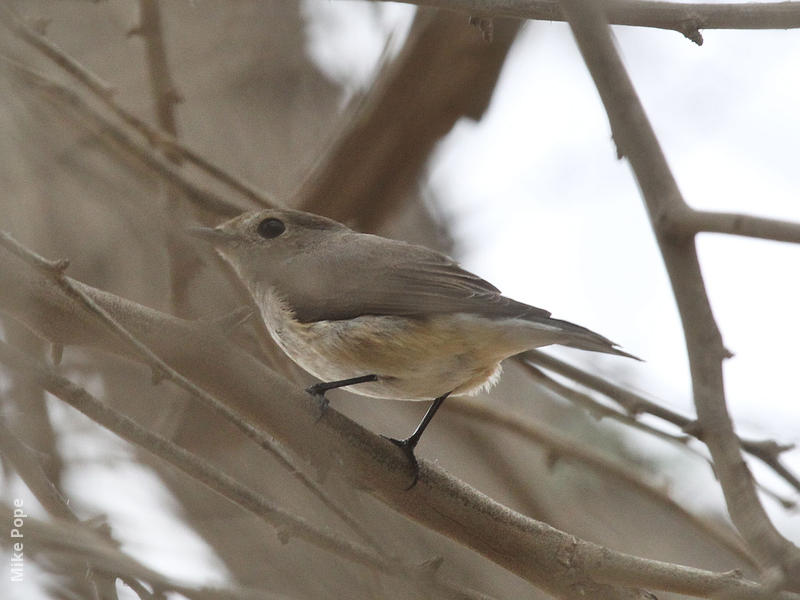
x=210 y=234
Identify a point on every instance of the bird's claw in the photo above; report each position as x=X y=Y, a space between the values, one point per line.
x=407 y=446
x=317 y=392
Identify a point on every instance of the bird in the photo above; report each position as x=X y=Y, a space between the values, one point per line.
x=387 y=318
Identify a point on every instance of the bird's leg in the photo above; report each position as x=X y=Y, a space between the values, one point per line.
x=318 y=389
x=407 y=445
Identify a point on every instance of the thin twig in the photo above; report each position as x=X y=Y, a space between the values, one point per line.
x=29 y=469
x=194 y=466
x=637 y=141
x=182 y=258
x=766 y=451
x=55 y=270
x=685 y=18
x=67 y=543
x=564 y=448
x=106 y=130
x=31 y=472
x=105 y=93
x=165 y=93
x=769 y=449
x=599 y=410
x=744 y=225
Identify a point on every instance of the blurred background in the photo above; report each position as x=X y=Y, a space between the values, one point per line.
x=413 y=125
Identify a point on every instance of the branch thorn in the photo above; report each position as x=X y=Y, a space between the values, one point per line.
x=157 y=375
x=232 y=320
x=57 y=266
x=431 y=566
x=485 y=25
x=690 y=28
x=284 y=533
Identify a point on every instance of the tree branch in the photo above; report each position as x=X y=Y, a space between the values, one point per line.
x=597 y=409
x=767 y=451
x=105 y=93
x=107 y=131
x=70 y=542
x=444 y=72
x=637 y=141
x=182 y=258
x=562 y=447
x=745 y=225
x=685 y=18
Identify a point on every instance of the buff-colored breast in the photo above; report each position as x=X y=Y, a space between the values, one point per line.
x=414 y=359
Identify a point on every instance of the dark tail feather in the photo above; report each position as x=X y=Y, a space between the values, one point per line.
x=586 y=339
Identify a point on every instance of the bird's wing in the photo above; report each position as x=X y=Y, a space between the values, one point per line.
x=375 y=276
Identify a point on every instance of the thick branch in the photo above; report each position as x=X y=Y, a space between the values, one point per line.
x=636 y=140
x=445 y=71
x=687 y=18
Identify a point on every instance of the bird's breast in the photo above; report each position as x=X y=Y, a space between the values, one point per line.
x=414 y=359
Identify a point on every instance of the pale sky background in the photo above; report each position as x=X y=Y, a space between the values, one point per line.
x=540 y=206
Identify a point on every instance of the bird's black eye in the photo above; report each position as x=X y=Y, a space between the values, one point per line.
x=271 y=228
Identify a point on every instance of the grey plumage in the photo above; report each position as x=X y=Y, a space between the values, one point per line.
x=344 y=304
x=386 y=318
x=385 y=277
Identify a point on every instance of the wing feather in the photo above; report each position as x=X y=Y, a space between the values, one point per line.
x=367 y=275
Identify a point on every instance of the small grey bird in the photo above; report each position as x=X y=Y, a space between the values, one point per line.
x=401 y=321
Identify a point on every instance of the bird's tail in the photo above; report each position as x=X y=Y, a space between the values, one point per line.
x=575 y=336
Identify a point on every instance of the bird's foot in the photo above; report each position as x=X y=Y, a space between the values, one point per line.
x=317 y=392
x=318 y=389
x=407 y=446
